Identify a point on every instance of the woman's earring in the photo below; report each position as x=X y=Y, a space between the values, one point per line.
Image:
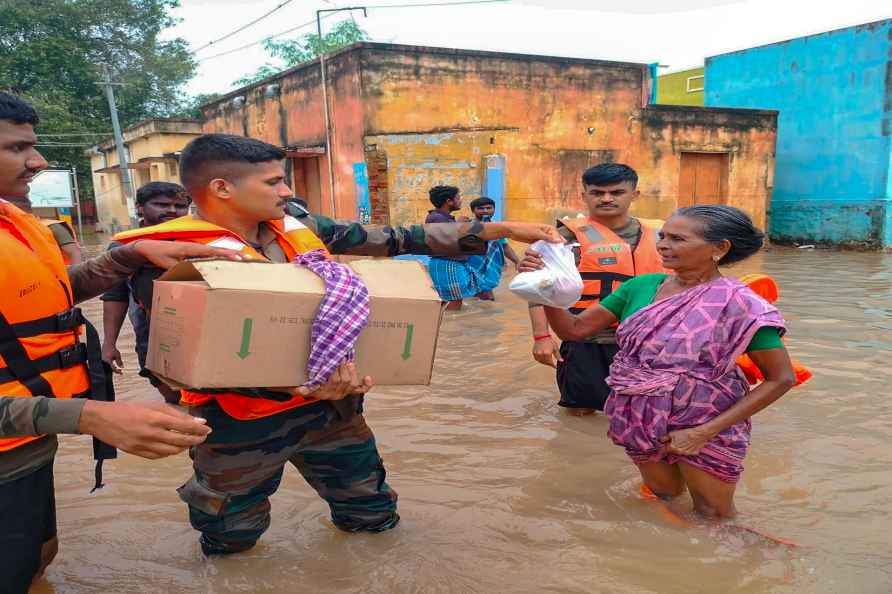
x=716 y=258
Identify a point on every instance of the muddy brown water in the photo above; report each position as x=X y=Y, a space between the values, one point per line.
x=502 y=492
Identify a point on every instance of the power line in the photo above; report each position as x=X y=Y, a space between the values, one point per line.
x=246 y=46
x=370 y=7
x=245 y=26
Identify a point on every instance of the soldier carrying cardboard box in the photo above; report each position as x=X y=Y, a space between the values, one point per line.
x=238 y=185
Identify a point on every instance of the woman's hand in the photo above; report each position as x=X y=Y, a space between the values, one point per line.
x=686 y=442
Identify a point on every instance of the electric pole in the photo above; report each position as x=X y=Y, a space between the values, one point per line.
x=329 y=128
x=126 y=185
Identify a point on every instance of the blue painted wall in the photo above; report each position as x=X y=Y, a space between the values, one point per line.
x=833 y=179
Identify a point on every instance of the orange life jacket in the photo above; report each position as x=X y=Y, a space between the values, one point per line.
x=765 y=287
x=607 y=261
x=43 y=356
x=292 y=236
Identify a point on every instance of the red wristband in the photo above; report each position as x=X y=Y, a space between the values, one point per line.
x=538 y=338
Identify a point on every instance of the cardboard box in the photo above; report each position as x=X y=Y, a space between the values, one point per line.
x=222 y=324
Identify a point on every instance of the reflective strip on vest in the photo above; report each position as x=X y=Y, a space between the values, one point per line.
x=290 y=223
x=229 y=243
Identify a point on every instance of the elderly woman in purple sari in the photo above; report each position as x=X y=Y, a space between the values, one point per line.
x=679 y=405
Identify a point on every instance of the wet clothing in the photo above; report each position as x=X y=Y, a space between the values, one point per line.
x=490 y=266
x=241 y=464
x=454 y=278
x=27 y=521
x=677 y=368
x=582 y=373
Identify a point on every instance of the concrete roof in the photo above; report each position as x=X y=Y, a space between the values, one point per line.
x=421 y=49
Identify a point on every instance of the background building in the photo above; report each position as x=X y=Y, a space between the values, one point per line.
x=518 y=128
x=834 y=163
x=152 y=147
x=681 y=88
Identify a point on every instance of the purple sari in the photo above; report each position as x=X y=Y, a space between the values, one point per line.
x=676 y=369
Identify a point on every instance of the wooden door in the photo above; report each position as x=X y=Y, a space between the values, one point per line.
x=704 y=179
x=307 y=182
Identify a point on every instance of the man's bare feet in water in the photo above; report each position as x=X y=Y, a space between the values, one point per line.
x=581 y=412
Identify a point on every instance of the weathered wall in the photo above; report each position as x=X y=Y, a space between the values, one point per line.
x=672 y=89
x=747 y=136
x=417 y=117
x=287 y=111
x=436 y=113
x=834 y=93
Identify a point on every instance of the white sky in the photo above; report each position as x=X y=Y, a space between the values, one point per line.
x=677 y=33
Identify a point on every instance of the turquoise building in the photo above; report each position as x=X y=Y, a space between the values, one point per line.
x=833 y=181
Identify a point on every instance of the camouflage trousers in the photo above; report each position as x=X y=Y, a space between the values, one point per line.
x=241 y=465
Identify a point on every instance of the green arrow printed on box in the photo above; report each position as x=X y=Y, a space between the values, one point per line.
x=407 y=345
x=247 y=327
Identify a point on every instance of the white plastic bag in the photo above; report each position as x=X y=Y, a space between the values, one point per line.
x=558 y=284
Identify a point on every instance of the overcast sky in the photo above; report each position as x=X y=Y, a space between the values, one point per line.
x=677 y=33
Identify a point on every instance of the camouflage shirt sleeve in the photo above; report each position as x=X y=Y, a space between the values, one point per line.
x=95 y=276
x=437 y=239
x=39 y=416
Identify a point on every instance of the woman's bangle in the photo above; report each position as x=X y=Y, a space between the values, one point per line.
x=543 y=337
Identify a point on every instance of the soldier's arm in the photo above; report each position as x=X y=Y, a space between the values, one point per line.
x=97 y=275
x=38 y=415
x=437 y=239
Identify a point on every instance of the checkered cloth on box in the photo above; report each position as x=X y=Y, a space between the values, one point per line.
x=342 y=315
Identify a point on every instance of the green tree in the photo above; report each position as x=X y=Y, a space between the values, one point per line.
x=52 y=51
x=304 y=49
x=191 y=108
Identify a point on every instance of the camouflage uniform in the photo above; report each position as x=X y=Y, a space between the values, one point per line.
x=241 y=463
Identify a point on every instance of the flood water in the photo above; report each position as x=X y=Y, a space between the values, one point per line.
x=500 y=491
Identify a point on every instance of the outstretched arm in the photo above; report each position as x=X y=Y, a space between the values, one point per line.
x=570 y=327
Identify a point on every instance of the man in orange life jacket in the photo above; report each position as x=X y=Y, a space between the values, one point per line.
x=45 y=385
x=238 y=185
x=613 y=247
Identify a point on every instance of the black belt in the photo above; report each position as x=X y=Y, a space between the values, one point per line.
x=63 y=359
x=67 y=321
